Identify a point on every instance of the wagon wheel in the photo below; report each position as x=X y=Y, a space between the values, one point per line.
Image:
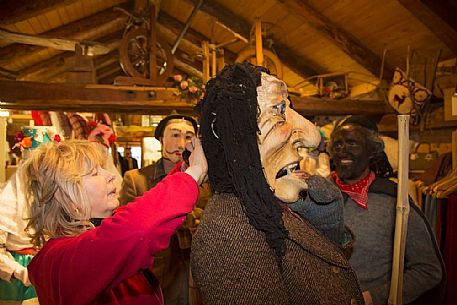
x=270 y=60
x=134 y=55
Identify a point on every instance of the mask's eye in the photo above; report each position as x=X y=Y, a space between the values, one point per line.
x=280 y=108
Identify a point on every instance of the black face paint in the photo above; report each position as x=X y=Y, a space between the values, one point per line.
x=350 y=153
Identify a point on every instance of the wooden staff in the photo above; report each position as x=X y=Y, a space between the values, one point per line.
x=401 y=219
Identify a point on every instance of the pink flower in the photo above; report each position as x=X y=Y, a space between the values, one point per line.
x=184 y=84
x=177 y=77
x=193 y=89
x=101 y=133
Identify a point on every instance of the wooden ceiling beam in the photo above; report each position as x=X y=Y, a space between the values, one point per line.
x=42 y=71
x=42 y=96
x=90 y=47
x=235 y=23
x=53 y=67
x=445 y=32
x=7 y=74
x=91 y=28
x=311 y=106
x=38 y=96
x=192 y=40
x=15 y=11
x=108 y=69
x=102 y=61
x=187 y=68
x=45 y=70
x=48 y=69
x=339 y=37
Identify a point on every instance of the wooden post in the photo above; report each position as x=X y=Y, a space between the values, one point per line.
x=401 y=218
x=258 y=42
x=206 y=60
x=213 y=61
x=2 y=149
x=220 y=60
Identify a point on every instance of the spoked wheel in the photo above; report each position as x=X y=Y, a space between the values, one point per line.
x=270 y=60
x=134 y=55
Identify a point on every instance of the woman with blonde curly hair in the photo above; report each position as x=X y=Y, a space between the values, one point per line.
x=108 y=264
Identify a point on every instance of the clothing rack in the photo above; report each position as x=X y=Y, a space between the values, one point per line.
x=454 y=149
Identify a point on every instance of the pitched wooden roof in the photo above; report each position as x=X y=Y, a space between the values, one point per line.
x=310 y=37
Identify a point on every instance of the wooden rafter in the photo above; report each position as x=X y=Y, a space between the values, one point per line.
x=15 y=11
x=235 y=23
x=53 y=66
x=338 y=36
x=88 y=28
x=45 y=70
x=168 y=27
x=445 y=32
x=90 y=47
x=109 y=68
x=192 y=40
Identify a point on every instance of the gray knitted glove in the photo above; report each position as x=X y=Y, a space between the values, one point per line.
x=323 y=208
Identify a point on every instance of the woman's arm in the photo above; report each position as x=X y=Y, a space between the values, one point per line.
x=84 y=266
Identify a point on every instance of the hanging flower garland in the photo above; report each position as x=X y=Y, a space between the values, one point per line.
x=101 y=133
x=30 y=141
x=190 y=88
x=22 y=141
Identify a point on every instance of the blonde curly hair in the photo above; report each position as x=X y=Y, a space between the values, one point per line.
x=53 y=174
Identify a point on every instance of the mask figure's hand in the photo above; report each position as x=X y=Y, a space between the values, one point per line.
x=319 y=165
x=323 y=191
x=323 y=208
x=193 y=220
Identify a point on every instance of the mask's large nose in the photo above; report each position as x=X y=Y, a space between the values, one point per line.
x=304 y=133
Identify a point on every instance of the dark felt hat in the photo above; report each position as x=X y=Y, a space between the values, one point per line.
x=161 y=127
x=360 y=120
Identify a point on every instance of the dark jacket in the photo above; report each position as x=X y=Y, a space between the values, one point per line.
x=435 y=295
x=233 y=264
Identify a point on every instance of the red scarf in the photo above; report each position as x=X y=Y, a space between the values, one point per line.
x=357 y=191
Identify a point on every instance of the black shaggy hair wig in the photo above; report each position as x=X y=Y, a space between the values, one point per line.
x=228 y=119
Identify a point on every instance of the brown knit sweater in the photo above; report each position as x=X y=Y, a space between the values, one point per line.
x=233 y=264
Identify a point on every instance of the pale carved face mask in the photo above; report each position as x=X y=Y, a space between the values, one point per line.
x=176 y=135
x=283 y=133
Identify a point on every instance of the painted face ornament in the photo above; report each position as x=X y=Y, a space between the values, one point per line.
x=282 y=133
x=175 y=136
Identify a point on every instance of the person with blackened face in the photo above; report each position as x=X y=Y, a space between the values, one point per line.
x=361 y=172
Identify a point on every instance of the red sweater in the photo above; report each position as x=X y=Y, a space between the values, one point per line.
x=103 y=265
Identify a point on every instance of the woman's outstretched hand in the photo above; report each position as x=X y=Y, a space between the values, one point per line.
x=198 y=166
